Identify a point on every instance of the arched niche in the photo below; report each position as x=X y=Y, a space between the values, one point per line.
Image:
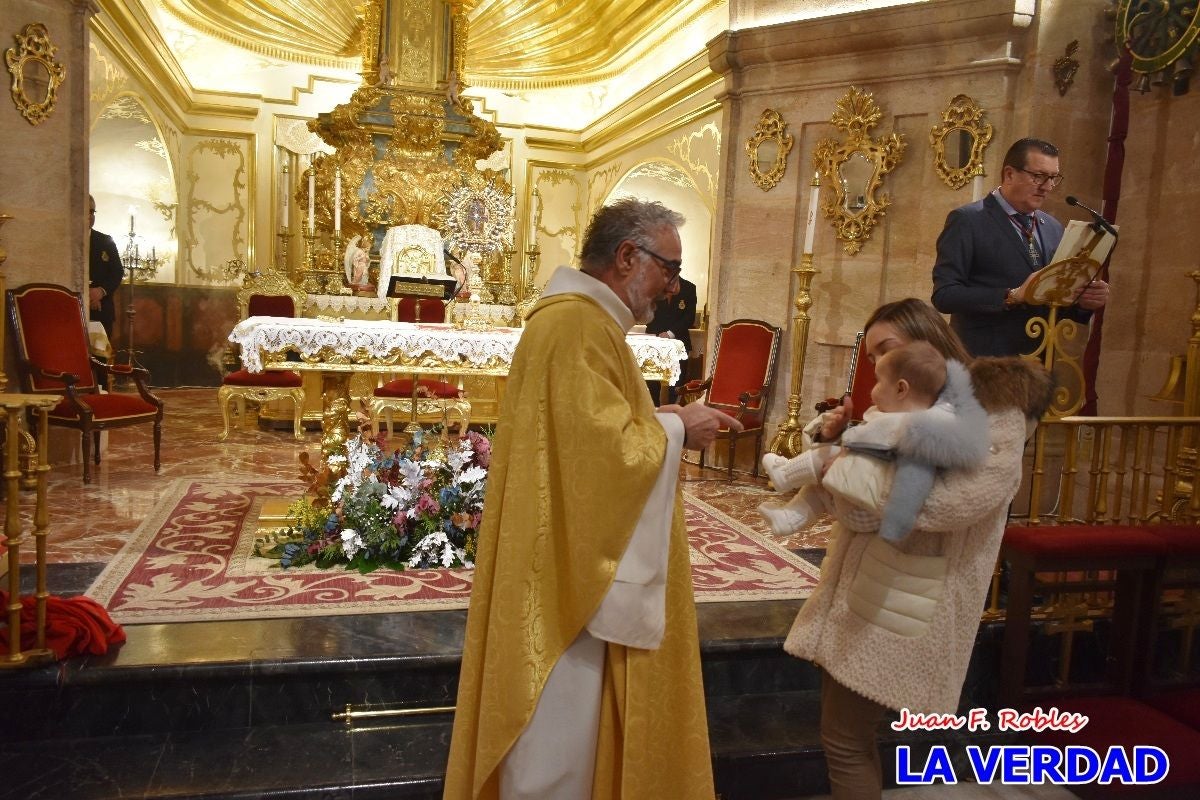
x=132 y=175
x=670 y=184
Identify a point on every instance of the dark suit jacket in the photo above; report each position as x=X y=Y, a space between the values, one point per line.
x=106 y=272
x=980 y=257
x=677 y=314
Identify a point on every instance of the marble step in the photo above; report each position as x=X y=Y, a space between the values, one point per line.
x=214 y=676
x=764 y=747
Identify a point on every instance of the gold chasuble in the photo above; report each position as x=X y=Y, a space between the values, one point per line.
x=576 y=454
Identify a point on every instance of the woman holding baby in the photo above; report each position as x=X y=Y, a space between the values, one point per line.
x=893 y=620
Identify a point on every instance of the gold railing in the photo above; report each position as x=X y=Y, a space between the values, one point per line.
x=12 y=408
x=1114 y=471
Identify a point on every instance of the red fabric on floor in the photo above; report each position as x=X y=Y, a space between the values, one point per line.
x=74 y=626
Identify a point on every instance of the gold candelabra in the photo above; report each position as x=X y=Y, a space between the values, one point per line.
x=137 y=267
x=788 y=440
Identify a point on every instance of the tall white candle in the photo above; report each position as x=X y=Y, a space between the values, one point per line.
x=337 y=200
x=810 y=232
x=284 y=193
x=977 y=188
x=312 y=199
x=535 y=202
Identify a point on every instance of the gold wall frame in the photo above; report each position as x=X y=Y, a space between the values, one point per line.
x=768 y=150
x=855 y=168
x=35 y=73
x=959 y=141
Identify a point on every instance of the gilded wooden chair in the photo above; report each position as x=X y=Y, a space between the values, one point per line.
x=743 y=370
x=431 y=397
x=51 y=342
x=265 y=294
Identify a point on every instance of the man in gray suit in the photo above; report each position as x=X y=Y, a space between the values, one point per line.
x=990 y=248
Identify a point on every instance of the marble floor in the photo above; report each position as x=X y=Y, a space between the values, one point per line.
x=89 y=523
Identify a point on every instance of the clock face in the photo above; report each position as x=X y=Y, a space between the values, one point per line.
x=1158 y=31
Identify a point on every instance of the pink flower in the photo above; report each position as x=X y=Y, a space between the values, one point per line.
x=427 y=505
x=482 y=448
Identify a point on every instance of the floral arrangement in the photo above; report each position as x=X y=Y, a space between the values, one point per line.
x=415 y=508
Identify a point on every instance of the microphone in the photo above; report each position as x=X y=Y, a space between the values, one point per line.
x=1100 y=221
x=446 y=252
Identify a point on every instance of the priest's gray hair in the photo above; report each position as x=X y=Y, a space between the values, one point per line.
x=628 y=218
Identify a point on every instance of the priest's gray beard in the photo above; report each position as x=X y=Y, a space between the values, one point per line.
x=641 y=302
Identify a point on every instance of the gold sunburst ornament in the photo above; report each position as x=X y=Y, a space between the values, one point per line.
x=855 y=168
x=36 y=75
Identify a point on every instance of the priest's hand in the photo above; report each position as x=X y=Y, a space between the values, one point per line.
x=701 y=424
x=95 y=295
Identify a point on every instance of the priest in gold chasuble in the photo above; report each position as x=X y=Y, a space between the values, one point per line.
x=581 y=665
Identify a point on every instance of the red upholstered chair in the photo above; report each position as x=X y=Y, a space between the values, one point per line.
x=433 y=397
x=739 y=384
x=51 y=342
x=265 y=294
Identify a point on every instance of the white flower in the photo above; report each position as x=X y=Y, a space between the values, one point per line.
x=351 y=542
x=458 y=458
x=472 y=475
x=435 y=549
x=411 y=470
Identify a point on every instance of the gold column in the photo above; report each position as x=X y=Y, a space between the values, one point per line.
x=1191 y=408
x=371 y=15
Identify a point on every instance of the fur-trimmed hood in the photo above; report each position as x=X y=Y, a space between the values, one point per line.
x=1008 y=382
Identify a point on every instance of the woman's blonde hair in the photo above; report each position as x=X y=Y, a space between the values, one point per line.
x=920 y=322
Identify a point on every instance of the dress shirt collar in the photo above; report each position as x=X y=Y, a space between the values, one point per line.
x=1008 y=209
x=567 y=280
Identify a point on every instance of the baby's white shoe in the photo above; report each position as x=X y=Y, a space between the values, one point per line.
x=788 y=474
x=784 y=519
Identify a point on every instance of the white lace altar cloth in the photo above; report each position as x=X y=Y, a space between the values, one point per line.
x=262 y=338
x=361 y=307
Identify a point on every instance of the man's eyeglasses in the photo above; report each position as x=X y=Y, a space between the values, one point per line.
x=1041 y=178
x=671 y=266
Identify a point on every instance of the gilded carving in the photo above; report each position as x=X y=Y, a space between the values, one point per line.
x=36 y=75
x=959 y=141
x=126 y=107
x=222 y=149
x=415 y=50
x=1065 y=67
x=107 y=78
x=768 y=150
x=601 y=183
x=855 y=168
x=689 y=148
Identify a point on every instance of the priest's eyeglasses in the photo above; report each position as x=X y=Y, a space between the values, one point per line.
x=1041 y=178
x=671 y=267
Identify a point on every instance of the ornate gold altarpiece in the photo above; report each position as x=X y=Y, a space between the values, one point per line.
x=410 y=150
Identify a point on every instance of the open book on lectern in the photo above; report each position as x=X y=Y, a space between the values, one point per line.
x=1077 y=262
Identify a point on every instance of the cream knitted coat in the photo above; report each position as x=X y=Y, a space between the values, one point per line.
x=962 y=521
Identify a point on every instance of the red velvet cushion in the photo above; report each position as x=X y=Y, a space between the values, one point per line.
x=403 y=388
x=431 y=310
x=106 y=407
x=1125 y=722
x=1084 y=541
x=53 y=336
x=270 y=305
x=742 y=363
x=1182 y=705
x=267 y=378
x=1181 y=540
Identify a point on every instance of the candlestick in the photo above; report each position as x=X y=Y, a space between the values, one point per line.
x=814 y=198
x=337 y=200
x=977 y=187
x=312 y=195
x=535 y=202
x=284 y=192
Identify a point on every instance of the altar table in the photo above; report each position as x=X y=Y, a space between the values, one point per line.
x=379 y=346
x=337 y=348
